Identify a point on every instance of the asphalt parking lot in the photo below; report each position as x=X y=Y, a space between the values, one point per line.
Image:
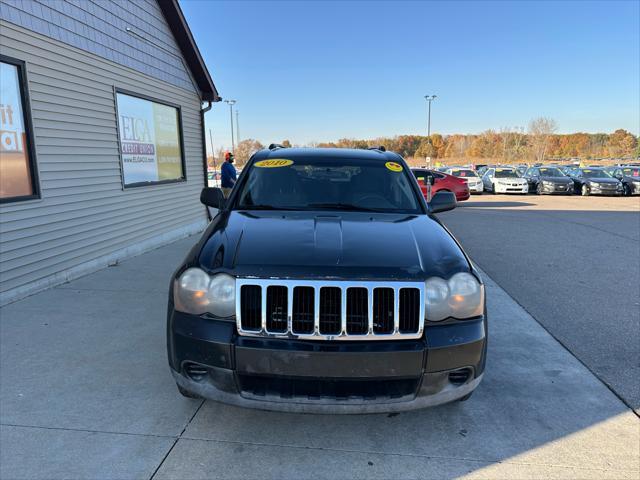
x=85 y=392
x=574 y=264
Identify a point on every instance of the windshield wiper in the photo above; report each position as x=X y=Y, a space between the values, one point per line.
x=264 y=207
x=343 y=206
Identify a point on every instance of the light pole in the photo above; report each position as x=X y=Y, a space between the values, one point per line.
x=237 y=126
x=429 y=99
x=231 y=104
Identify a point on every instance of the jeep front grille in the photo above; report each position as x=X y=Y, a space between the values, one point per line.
x=329 y=310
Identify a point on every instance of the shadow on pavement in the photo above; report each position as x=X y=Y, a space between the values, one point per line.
x=494 y=204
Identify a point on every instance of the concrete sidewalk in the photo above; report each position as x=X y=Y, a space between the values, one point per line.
x=85 y=392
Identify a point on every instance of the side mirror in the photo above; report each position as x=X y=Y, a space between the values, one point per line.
x=212 y=197
x=442 y=202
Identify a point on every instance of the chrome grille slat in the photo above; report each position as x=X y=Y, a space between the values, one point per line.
x=285 y=321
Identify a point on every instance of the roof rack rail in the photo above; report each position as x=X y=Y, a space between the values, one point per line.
x=380 y=148
x=275 y=146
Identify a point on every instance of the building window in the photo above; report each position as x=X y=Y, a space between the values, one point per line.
x=150 y=134
x=18 y=174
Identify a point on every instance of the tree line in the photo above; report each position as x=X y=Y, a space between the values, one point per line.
x=539 y=142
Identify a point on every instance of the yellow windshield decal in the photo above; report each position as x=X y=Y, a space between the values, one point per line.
x=274 y=163
x=393 y=166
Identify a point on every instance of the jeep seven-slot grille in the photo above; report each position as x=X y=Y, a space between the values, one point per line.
x=319 y=310
x=303 y=309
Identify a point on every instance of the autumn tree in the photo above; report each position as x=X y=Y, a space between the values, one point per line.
x=540 y=131
x=245 y=149
x=425 y=149
x=622 y=143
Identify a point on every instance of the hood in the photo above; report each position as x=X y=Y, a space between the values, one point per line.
x=341 y=245
x=518 y=180
x=560 y=180
x=603 y=180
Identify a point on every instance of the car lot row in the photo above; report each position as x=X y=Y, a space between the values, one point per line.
x=542 y=179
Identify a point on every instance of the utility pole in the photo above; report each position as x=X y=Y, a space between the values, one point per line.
x=429 y=99
x=231 y=103
x=237 y=126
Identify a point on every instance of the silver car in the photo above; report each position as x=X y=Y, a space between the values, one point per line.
x=471 y=177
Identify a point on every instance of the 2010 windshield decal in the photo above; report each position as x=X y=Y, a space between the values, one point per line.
x=274 y=163
x=393 y=166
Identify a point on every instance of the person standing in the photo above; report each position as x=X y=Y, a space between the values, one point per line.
x=227 y=174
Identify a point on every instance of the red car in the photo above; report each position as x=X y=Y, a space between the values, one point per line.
x=443 y=182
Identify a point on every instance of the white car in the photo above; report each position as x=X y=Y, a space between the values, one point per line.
x=504 y=180
x=471 y=177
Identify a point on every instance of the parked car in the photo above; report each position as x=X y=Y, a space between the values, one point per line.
x=595 y=181
x=469 y=176
x=630 y=178
x=504 y=180
x=325 y=283
x=521 y=169
x=441 y=182
x=548 y=180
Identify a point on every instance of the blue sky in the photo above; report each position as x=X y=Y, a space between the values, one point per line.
x=319 y=71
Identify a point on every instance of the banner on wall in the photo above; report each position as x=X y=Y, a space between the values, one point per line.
x=149 y=141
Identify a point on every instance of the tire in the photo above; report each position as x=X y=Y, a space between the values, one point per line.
x=187 y=393
x=627 y=190
x=584 y=191
x=493 y=188
x=539 y=188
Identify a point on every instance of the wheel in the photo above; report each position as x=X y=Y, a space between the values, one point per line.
x=585 y=190
x=466 y=397
x=187 y=393
x=627 y=189
x=493 y=188
x=539 y=188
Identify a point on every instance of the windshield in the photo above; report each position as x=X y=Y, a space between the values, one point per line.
x=317 y=183
x=502 y=173
x=631 y=172
x=589 y=173
x=464 y=173
x=551 y=172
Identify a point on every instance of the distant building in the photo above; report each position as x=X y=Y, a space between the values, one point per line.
x=101 y=126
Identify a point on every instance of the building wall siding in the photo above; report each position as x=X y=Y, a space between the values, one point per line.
x=100 y=27
x=84 y=214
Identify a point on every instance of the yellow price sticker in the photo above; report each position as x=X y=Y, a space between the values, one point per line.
x=393 y=166
x=274 y=163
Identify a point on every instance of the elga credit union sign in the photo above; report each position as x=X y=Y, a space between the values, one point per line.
x=15 y=176
x=149 y=141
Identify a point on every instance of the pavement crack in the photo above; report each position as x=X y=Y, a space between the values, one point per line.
x=175 y=442
x=87 y=430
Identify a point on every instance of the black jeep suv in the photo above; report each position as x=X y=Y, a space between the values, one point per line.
x=325 y=283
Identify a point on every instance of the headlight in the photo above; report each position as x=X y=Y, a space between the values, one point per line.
x=462 y=296
x=196 y=292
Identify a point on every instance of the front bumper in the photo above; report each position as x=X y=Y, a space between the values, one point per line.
x=475 y=187
x=557 y=188
x=322 y=376
x=501 y=188
x=596 y=190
